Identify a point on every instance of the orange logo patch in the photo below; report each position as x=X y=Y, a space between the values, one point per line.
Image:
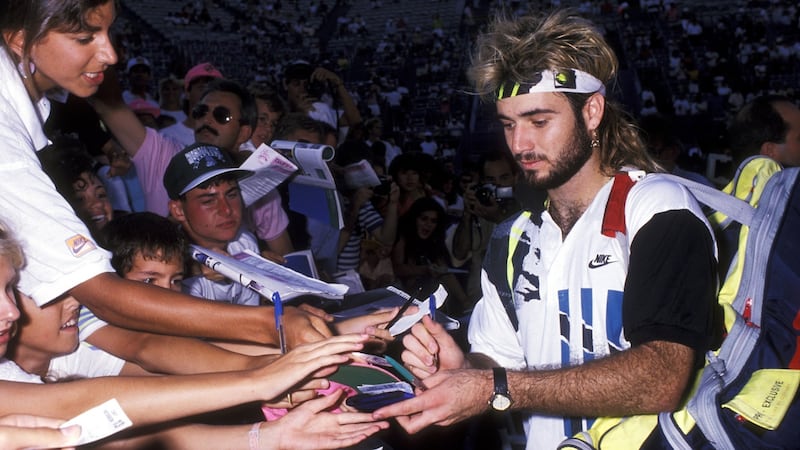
x=80 y=245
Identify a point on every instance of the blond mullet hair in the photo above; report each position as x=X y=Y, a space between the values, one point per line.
x=516 y=50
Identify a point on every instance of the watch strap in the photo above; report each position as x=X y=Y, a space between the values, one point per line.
x=500 y=381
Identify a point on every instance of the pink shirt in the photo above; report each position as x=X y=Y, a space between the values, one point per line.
x=151 y=162
x=269 y=217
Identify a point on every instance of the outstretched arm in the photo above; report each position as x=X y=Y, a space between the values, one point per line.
x=149 y=400
x=158 y=353
x=140 y=306
x=653 y=377
x=309 y=426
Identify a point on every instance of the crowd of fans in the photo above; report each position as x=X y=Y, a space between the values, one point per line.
x=396 y=99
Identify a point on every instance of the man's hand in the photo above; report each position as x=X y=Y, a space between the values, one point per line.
x=452 y=396
x=430 y=348
x=324 y=75
x=301 y=327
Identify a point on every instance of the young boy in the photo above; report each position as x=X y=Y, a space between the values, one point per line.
x=148 y=248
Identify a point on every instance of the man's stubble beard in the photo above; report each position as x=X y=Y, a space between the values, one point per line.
x=571 y=159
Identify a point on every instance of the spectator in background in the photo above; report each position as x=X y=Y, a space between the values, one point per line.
x=770 y=126
x=362 y=220
x=271 y=107
x=195 y=82
x=429 y=145
x=406 y=171
x=170 y=99
x=306 y=88
x=498 y=174
x=420 y=258
x=374 y=137
x=376 y=269
x=146 y=112
x=140 y=77
x=666 y=148
x=74 y=174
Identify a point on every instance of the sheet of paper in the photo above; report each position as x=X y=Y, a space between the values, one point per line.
x=264 y=276
x=406 y=322
x=360 y=174
x=99 y=422
x=271 y=169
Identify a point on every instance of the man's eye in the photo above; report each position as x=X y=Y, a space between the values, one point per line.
x=149 y=280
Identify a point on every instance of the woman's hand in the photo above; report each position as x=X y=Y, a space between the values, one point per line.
x=310 y=426
x=315 y=360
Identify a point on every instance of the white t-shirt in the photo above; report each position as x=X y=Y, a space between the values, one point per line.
x=87 y=361
x=10 y=371
x=59 y=249
x=226 y=291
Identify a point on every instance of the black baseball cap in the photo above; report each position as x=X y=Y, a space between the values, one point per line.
x=197 y=164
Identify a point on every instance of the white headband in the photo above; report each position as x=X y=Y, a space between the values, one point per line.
x=556 y=80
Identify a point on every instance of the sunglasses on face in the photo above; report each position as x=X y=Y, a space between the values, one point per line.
x=221 y=114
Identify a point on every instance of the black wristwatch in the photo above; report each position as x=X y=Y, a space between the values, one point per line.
x=501 y=398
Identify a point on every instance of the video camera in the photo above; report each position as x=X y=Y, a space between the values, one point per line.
x=489 y=193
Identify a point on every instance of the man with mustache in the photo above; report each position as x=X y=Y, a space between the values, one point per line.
x=580 y=317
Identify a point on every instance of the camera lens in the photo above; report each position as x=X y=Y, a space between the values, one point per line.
x=484 y=195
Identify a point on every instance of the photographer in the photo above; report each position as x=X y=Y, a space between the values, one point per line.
x=322 y=95
x=485 y=205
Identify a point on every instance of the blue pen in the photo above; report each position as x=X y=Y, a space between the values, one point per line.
x=276 y=301
x=432 y=309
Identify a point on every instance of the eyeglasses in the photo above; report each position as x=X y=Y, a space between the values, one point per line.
x=221 y=114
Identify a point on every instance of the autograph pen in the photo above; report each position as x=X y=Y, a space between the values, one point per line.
x=276 y=301
x=402 y=310
x=432 y=309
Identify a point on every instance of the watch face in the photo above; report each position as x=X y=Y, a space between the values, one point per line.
x=500 y=402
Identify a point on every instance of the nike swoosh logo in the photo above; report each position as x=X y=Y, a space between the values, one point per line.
x=594 y=265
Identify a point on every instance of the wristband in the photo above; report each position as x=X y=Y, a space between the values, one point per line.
x=253 y=436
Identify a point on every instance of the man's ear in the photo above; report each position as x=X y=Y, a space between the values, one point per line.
x=593 y=110
x=15 y=41
x=176 y=211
